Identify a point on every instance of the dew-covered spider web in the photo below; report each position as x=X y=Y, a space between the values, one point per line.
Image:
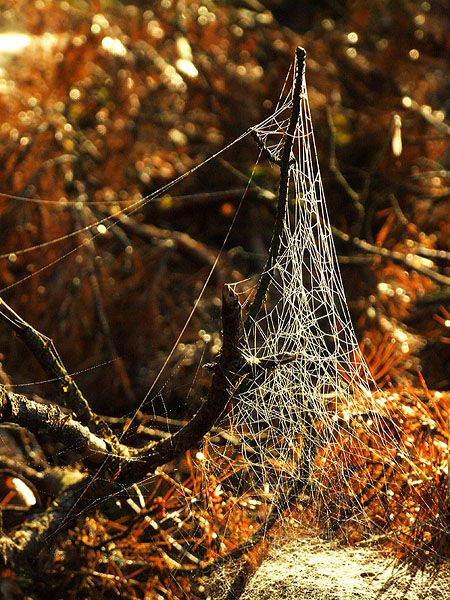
x=307 y=421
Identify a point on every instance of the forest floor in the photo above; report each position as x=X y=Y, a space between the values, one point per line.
x=311 y=568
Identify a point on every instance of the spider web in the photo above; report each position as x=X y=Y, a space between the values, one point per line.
x=309 y=403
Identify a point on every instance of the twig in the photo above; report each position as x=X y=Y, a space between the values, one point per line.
x=433 y=253
x=357 y=502
x=419 y=249
x=22 y=548
x=45 y=352
x=284 y=501
x=262 y=194
x=188 y=245
x=409 y=261
x=359 y=199
x=49 y=482
x=22 y=470
x=370 y=208
x=46 y=165
x=399 y=213
x=448 y=471
x=428 y=116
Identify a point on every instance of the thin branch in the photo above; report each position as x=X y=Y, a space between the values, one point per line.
x=399 y=213
x=22 y=548
x=264 y=280
x=45 y=352
x=411 y=262
x=24 y=471
x=188 y=245
x=358 y=199
x=428 y=115
x=357 y=502
x=49 y=482
x=172 y=425
x=433 y=253
x=285 y=500
x=46 y=165
x=370 y=208
x=263 y=195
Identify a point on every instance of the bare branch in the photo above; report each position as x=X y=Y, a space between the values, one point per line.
x=264 y=280
x=188 y=245
x=334 y=168
x=284 y=501
x=93 y=274
x=49 y=419
x=45 y=352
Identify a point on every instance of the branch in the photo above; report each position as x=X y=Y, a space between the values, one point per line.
x=264 y=280
x=118 y=363
x=22 y=470
x=428 y=116
x=284 y=501
x=45 y=352
x=226 y=378
x=51 y=420
x=408 y=260
x=359 y=199
x=48 y=483
x=432 y=253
